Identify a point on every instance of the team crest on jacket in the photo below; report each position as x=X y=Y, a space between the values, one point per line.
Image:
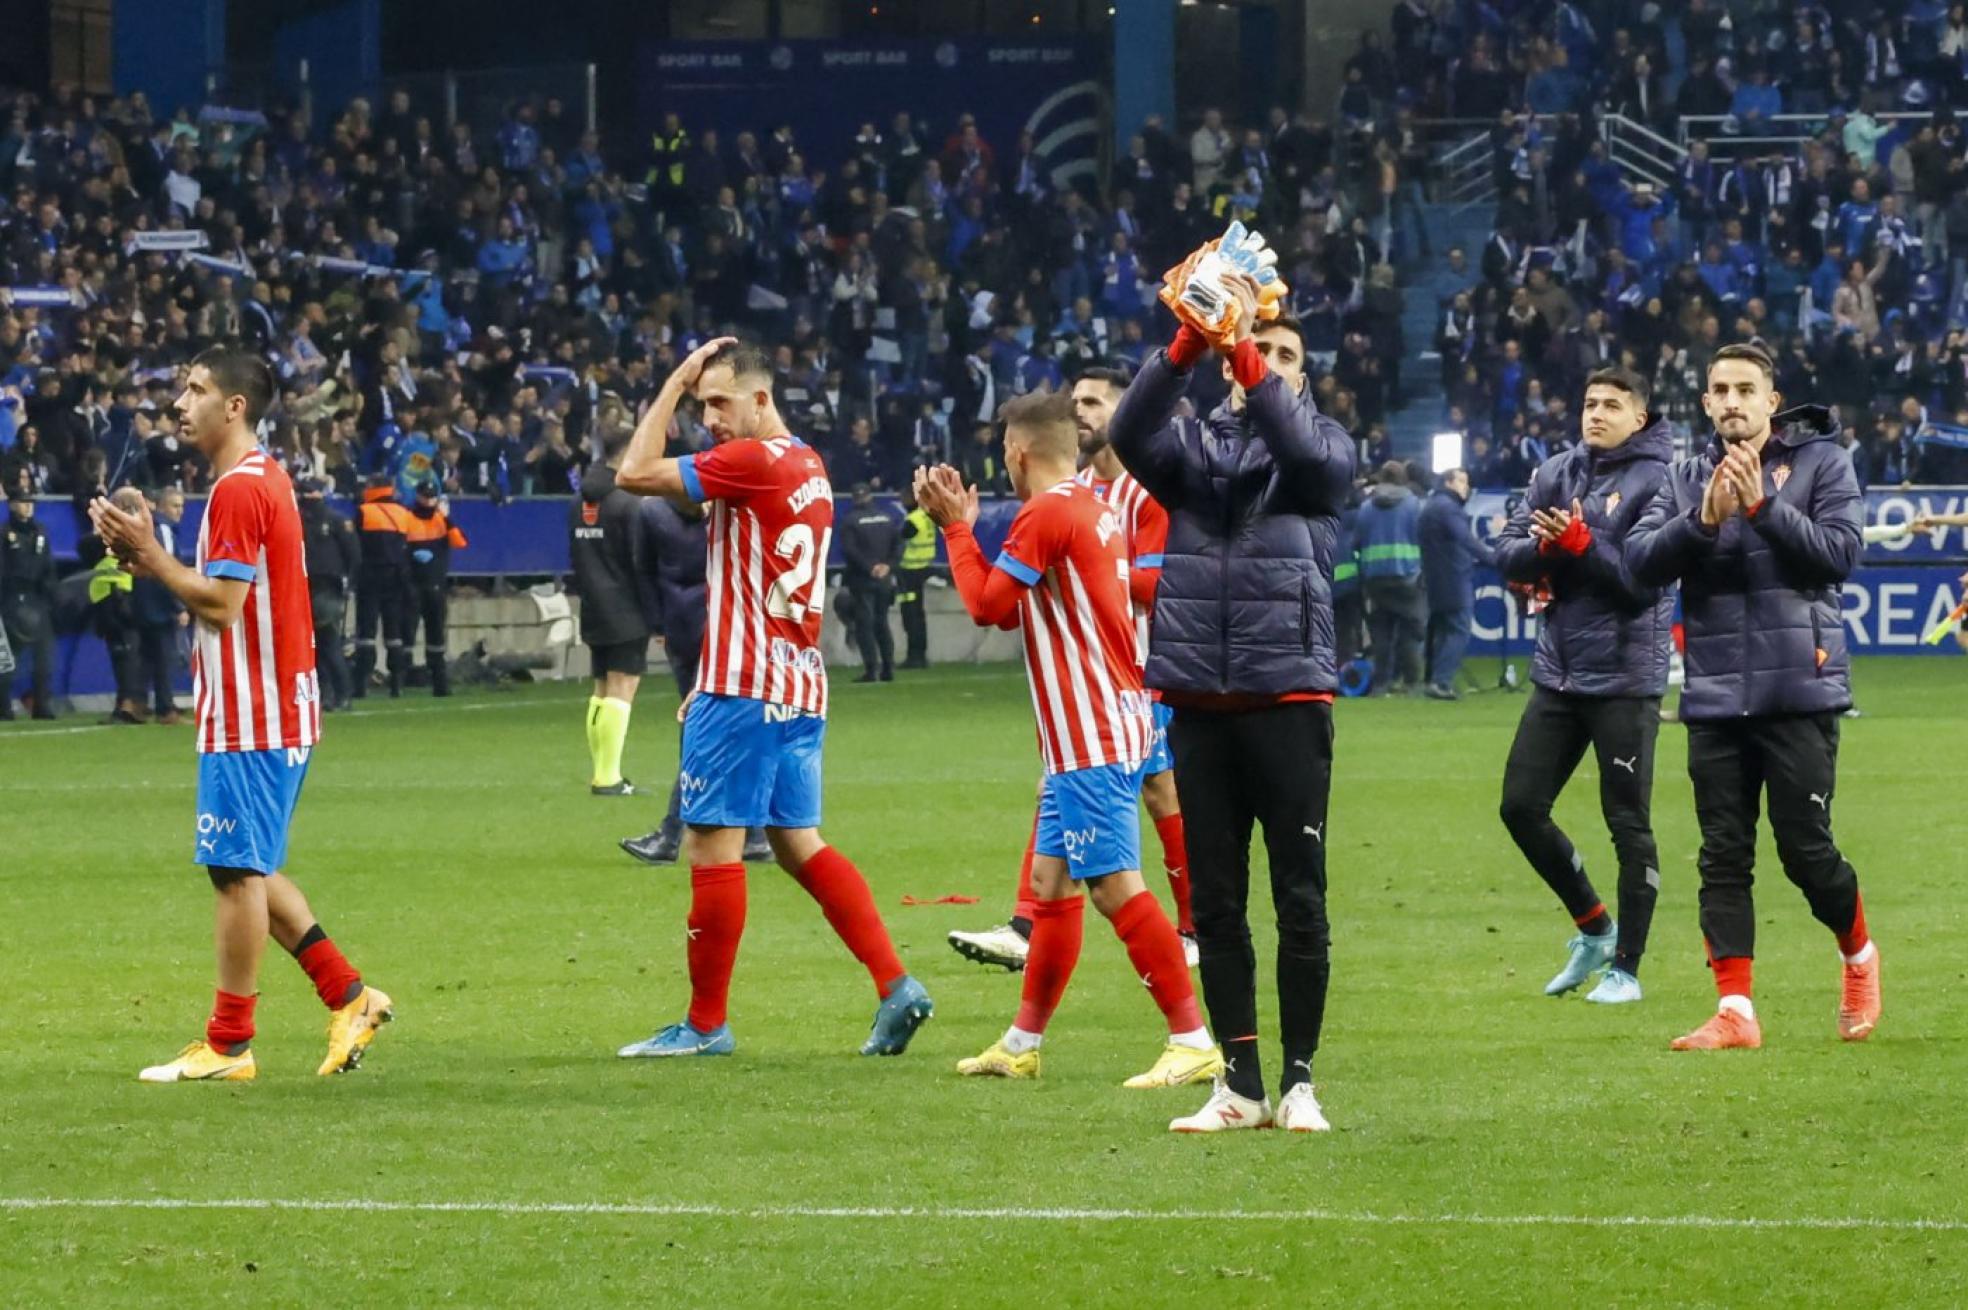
x=1612 y=502
x=1779 y=475
x=590 y=513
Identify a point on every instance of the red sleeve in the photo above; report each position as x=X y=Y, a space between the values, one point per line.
x=1035 y=541
x=1150 y=538
x=236 y=519
x=990 y=595
x=733 y=470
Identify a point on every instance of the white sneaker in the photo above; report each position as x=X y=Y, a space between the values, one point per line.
x=1223 y=1112
x=1299 y=1112
x=1001 y=946
x=1190 y=955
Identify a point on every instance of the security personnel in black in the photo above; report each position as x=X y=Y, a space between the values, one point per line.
x=27 y=600
x=382 y=586
x=871 y=542
x=918 y=558
x=430 y=536
x=332 y=561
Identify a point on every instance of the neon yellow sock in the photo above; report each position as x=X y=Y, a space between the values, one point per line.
x=611 y=735
x=594 y=739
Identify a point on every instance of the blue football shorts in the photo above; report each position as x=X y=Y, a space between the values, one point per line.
x=749 y=764
x=1088 y=818
x=1160 y=758
x=246 y=804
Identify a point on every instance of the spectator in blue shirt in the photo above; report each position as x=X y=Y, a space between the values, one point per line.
x=519 y=140
x=1857 y=216
x=502 y=260
x=1756 y=102
x=1720 y=276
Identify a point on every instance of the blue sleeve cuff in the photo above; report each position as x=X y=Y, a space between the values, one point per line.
x=1018 y=568
x=1147 y=561
x=692 y=487
x=230 y=568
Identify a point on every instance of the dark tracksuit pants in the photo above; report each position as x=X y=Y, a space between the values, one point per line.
x=1551 y=739
x=1448 y=642
x=915 y=623
x=381 y=601
x=330 y=612
x=1792 y=760
x=429 y=604
x=872 y=634
x=1271 y=767
x=157 y=645
x=1394 y=622
x=31 y=634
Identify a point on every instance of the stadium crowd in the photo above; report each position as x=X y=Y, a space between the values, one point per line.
x=472 y=308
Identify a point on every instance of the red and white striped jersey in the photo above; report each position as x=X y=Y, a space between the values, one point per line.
x=1068 y=549
x=254 y=684
x=1144 y=526
x=771 y=514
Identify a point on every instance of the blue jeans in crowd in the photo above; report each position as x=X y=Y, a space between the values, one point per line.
x=1448 y=642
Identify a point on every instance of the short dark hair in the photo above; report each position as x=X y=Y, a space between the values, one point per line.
x=745 y=359
x=1285 y=321
x=1047 y=415
x=239 y=373
x=1751 y=352
x=1117 y=378
x=1623 y=378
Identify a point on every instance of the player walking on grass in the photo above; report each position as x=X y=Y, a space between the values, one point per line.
x=1144 y=530
x=1062 y=580
x=259 y=717
x=752 y=730
x=1243 y=649
x=1598 y=676
x=1762 y=529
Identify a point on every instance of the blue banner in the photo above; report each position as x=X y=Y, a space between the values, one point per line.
x=1888 y=609
x=1051 y=88
x=529 y=535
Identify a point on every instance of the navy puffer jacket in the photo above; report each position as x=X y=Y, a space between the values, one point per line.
x=1450 y=552
x=1245 y=600
x=1762 y=598
x=1604 y=634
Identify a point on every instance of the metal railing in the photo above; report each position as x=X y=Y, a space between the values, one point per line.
x=1639 y=151
x=1783 y=132
x=483 y=97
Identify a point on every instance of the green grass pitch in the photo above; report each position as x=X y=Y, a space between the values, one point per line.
x=1490 y=1146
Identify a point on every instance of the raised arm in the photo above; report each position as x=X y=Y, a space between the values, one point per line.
x=216 y=597
x=645 y=470
x=1669 y=537
x=990 y=594
x=1518 y=554
x=1143 y=431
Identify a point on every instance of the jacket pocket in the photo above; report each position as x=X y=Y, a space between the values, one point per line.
x=1305 y=614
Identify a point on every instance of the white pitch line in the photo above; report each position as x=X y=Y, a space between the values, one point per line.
x=1015 y=1214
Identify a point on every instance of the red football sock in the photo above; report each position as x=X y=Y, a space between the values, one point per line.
x=335 y=980
x=1056 y=927
x=1732 y=975
x=1156 y=953
x=717 y=921
x=1027 y=902
x=1175 y=858
x=1854 y=939
x=231 y=1024
x=831 y=879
